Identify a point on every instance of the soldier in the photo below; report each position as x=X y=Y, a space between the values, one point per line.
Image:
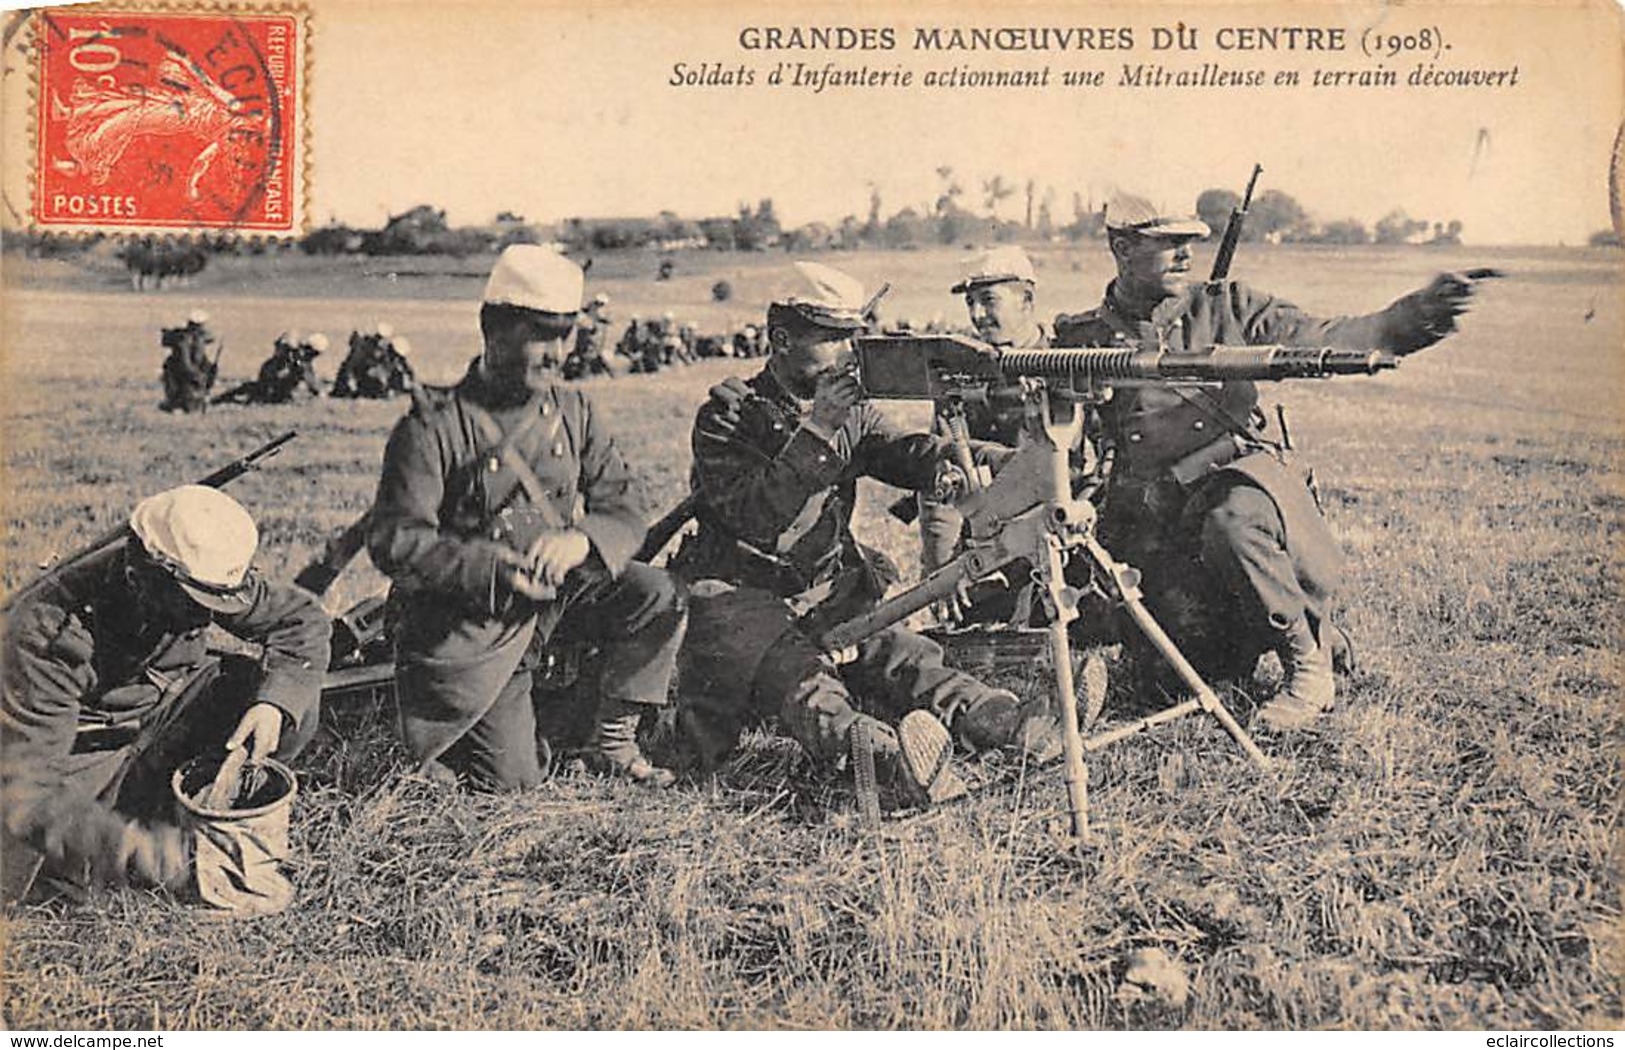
x=668 y=341
x=108 y=687
x=747 y=342
x=376 y=366
x=775 y=564
x=506 y=515
x=286 y=375
x=1000 y=288
x=711 y=346
x=1203 y=498
x=190 y=368
x=588 y=357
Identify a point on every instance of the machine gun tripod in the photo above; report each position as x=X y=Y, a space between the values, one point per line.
x=1029 y=509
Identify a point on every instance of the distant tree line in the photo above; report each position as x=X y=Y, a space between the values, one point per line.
x=1278 y=218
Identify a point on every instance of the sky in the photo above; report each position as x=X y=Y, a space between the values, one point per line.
x=556 y=110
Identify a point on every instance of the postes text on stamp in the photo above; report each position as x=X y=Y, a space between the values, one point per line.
x=170 y=121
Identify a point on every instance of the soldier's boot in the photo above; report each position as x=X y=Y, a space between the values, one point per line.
x=916 y=758
x=1309 y=687
x=998 y=719
x=1344 y=660
x=615 y=747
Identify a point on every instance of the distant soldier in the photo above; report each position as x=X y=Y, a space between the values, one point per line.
x=109 y=685
x=189 y=370
x=1204 y=497
x=748 y=342
x=289 y=374
x=376 y=366
x=709 y=346
x=639 y=345
x=668 y=339
x=589 y=357
x=507 y=519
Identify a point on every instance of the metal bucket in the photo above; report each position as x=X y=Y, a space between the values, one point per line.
x=239 y=851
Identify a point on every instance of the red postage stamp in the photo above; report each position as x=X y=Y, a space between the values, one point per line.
x=170 y=121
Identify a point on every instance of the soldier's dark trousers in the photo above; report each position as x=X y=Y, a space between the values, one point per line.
x=1217 y=574
x=637 y=622
x=815 y=701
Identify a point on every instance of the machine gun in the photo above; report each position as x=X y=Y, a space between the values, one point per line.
x=1029 y=511
x=214 y=480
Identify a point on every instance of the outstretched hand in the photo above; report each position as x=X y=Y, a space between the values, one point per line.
x=1445 y=298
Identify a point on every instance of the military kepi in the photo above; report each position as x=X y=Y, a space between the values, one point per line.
x=995 y=266
x=1128 y=212
x=535 y=278
x=204 y=539
x=827 y=297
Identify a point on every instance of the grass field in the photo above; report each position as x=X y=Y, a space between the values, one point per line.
x=1441 y=851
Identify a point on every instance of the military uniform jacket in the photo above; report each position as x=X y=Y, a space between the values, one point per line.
x=1180 y=435
x=1153 y=428
x=464 y=629
x=85 y=672
x=775 y=498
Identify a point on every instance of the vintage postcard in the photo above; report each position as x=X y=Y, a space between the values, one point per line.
x=743 y=515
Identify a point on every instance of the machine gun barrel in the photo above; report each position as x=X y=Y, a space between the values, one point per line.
x=936 y=367
x=1218 y=363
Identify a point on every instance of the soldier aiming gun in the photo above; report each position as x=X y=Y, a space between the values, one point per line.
x=775 y=563
x=1203 y=497
x=285 y=376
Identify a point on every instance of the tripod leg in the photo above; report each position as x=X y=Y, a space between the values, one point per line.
x=1205 y=696
x=1077 y=774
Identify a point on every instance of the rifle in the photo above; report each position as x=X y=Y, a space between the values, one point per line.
x=341 y=549
x=214 y=371
x=214 y=480
x=1232 y=230
x=669 y=525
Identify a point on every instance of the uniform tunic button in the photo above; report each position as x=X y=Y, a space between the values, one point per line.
x=493 y=464
x=558 y=448
x=778 y=426
x=1134 y=439
x=1199 y=425
x=547 y=408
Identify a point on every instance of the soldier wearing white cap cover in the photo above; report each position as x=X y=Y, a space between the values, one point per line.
x=506 y=515
x=1000 y=289
x=108 y=687
x=1202 y=499
x=774 y=563
x=190 y=368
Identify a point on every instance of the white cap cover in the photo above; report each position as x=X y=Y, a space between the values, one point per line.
x=202 y=537
x=827 y=296
x=995 y=266
x=535 y=278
